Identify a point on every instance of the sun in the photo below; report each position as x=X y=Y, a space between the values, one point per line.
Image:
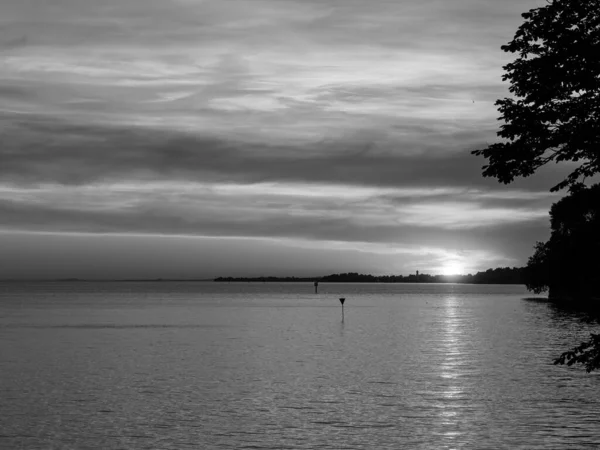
x=453 y=268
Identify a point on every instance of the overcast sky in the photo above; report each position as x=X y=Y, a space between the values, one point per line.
x=198 y=138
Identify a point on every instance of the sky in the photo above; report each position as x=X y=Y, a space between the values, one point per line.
x=203 y=138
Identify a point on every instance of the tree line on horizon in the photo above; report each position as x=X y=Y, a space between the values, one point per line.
x=500 y=275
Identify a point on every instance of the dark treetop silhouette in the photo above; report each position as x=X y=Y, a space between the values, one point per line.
x=556 y=79
x=567 y=265
x=555 y=116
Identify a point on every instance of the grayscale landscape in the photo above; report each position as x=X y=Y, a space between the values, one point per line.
x=299 y=224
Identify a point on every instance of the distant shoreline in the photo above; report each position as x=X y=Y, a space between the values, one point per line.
x=246 y=281
x=133 y=280
x=501 y=275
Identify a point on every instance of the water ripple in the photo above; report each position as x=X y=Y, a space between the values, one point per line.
x=424 y=366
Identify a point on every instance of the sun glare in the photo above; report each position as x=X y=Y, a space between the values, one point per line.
x=452 y=268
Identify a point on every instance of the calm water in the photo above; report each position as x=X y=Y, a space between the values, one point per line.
x=207 y=365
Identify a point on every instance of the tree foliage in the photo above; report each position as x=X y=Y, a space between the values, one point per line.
x=555 y=80
x=554 y=116
x=587 y=354
x=537 y=271
x=568 y=264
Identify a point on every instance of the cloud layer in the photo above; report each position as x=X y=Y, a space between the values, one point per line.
x=332 y=124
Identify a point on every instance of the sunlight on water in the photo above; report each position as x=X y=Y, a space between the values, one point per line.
x=207 y=365
x=452 y=391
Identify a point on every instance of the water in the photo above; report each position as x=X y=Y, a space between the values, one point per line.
x=208 y=365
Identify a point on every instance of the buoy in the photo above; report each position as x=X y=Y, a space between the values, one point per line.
x=342 y=300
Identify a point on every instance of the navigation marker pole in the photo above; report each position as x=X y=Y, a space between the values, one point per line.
x=342 y=300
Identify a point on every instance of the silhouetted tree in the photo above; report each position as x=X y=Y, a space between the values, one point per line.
x=555 y=115
x=587 y=353
x=537 y=271
x=568 y=265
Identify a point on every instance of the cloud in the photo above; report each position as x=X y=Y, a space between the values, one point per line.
x=319 y=211
x=60 y=255
x=333 y=66
x=343 y=123
x=410 y=223
x=45 y=150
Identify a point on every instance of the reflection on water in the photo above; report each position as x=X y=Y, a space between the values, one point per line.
x=202 y=365
x=561 y=312
x=452 y=392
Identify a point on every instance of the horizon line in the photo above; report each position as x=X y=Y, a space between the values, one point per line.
x=302 y=278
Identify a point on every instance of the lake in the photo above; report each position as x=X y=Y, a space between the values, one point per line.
x=204 y=365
